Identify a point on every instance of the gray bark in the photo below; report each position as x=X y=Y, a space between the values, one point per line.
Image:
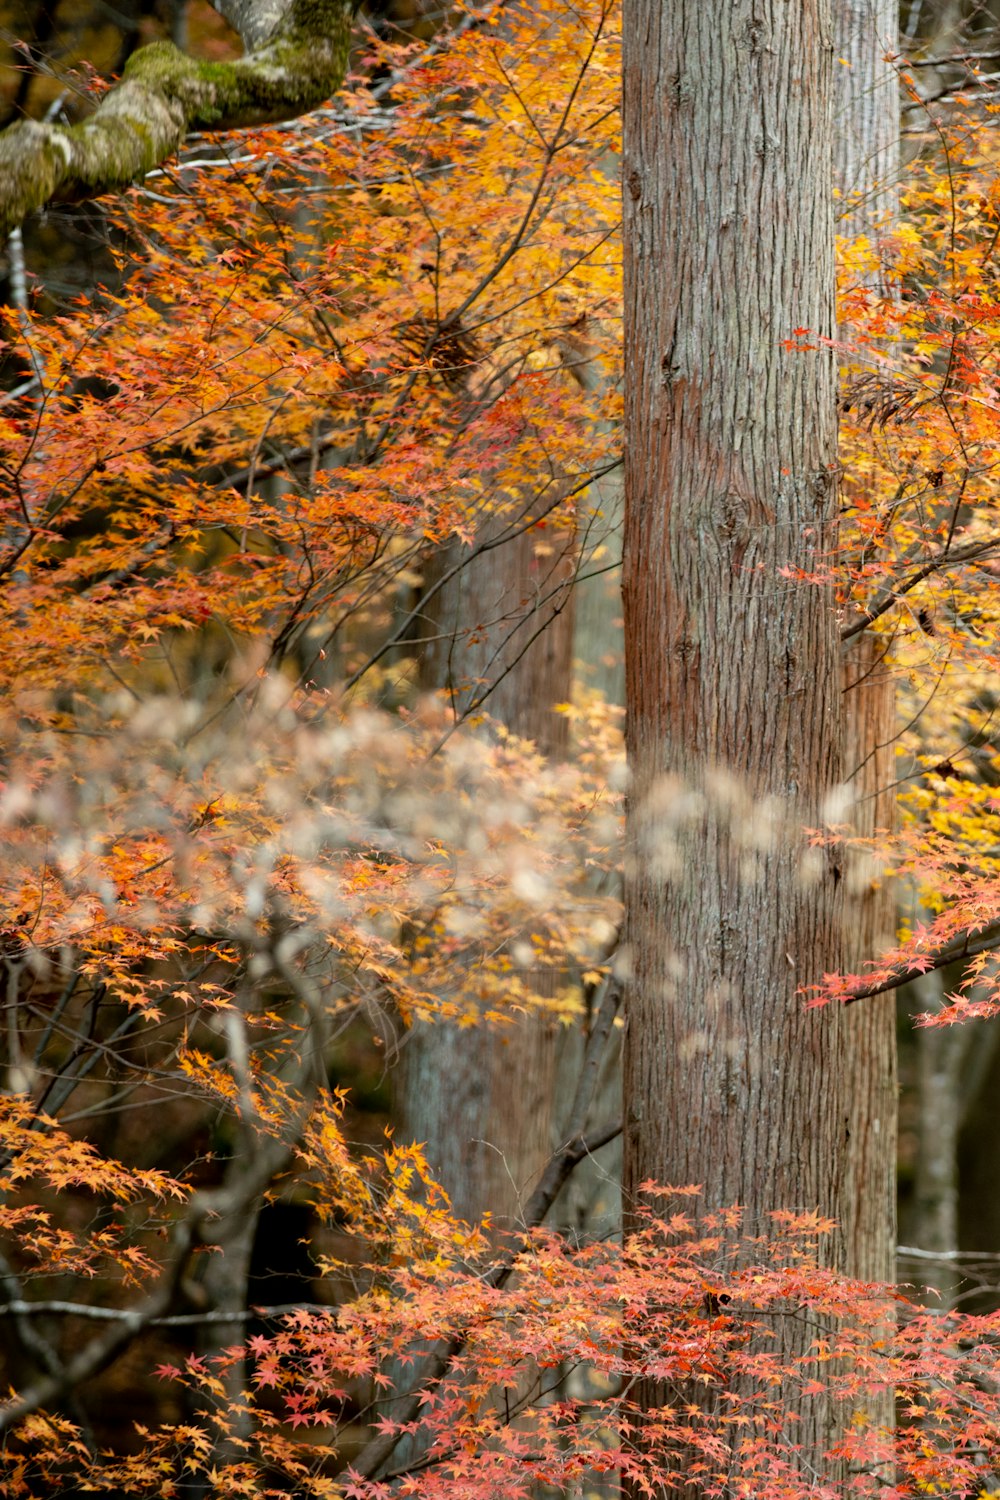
x=732 y=668
x=940 y=1054
x=590 y=1204
x=734 y=719
x=299 y=57
x=866 y=115
x=866 y=173
x=482 y=1101
x=600 y=647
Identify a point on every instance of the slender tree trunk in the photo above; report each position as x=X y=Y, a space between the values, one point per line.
x=940 y=1054
x=599 y=647
x=500 y=634
x=483 y=1100
x=224 y=1283
x=480 y=1099
x=953 y=1117
x=732 y=663
x=866 y=173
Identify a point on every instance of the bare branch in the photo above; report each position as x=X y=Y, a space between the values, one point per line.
x=954 y=59
x=23 y=1308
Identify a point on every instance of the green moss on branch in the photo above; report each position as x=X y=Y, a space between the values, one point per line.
x=163 y=95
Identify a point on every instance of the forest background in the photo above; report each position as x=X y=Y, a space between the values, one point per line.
x=313 y=795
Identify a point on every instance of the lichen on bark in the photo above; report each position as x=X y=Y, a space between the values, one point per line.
x=300 y=55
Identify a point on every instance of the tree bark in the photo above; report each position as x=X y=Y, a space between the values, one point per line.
x=866 y=175
x=734 y=720
x=484 y=1101
x=940 y=1055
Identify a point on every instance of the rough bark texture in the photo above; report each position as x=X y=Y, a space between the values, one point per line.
x=866 y=173
x=296 y=65
x=600 y=647
x=732 y=666
x=870 y=1026
x=484 y=1101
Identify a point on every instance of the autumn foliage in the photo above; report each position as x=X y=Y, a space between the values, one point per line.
x=335 y=362
x=692 y=1304
x=919 y=444
x=227 y=482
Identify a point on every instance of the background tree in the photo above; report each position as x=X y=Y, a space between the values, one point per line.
x=370 y=411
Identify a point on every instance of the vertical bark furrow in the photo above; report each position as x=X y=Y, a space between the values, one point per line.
x=732 y=667
x=866 y=171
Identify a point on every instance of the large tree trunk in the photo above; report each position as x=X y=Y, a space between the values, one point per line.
x=866 y=174
x=732 y=665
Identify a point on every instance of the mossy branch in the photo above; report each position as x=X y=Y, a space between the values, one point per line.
x=298 y=62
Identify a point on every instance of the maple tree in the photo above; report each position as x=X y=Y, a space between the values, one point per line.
x=216 y=915
x=337 y=353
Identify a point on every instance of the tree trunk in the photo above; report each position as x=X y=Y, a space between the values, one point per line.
x=866 y=175
x=940 y=1054
x=952 y=1117
x=734 y=720
x=483 y=1100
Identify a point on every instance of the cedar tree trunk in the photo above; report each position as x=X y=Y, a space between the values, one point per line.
x=866 y=147
x=734 y=718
